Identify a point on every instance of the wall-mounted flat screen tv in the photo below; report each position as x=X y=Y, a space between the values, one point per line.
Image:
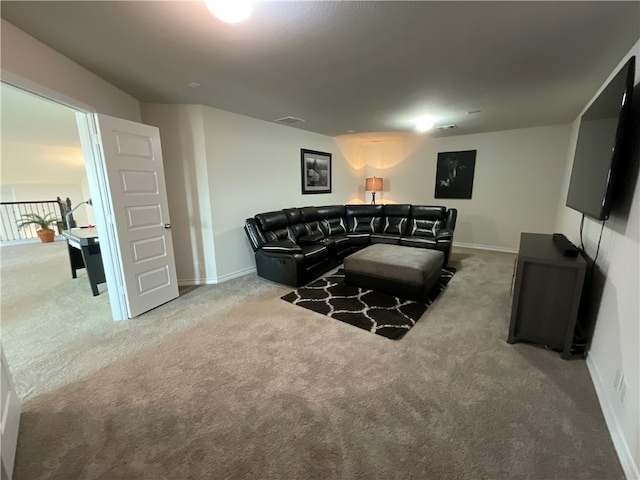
x=599 y=149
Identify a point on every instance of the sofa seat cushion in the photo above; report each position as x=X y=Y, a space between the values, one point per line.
x=359 y=239
x=420 y=242
x=314 y=253
x=340 y=239
x=385 y=238
x=337 y=245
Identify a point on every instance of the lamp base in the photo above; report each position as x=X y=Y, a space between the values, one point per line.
x=373 y=198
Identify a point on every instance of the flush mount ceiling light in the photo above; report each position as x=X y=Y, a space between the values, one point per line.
x=230 y=11
x=424 y=123
x=289 y=120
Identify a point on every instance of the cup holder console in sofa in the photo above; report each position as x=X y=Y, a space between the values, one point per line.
x=296 y=245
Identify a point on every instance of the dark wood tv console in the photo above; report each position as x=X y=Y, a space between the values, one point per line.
x=546 y=294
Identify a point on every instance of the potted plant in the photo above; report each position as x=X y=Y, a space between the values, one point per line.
x=45 y=233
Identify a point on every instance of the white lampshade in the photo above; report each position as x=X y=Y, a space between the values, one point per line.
x=373 y=184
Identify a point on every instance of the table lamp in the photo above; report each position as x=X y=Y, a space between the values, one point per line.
x=373 y=185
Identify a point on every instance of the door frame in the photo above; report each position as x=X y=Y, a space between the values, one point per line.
x=98 y=186
x=102 y=205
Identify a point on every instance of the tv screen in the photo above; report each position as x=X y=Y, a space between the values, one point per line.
x=599 y=146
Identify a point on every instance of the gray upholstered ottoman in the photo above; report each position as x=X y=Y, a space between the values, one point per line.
x=406 y=272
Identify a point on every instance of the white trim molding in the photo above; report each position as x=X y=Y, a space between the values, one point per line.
x=631 y=470
x=187 y=282
x=486 y=247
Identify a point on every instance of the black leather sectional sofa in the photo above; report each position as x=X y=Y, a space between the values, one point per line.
x=296 y=245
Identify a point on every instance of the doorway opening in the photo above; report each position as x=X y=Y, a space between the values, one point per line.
x=45 y=312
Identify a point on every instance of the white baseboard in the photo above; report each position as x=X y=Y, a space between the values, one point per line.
x=485 y=247
x=236 y=274
x=187 y=282
x=617 y=435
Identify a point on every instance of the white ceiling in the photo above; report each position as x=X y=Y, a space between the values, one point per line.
x=367 y=66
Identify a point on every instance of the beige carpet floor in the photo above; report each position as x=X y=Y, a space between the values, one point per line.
x=231 y=382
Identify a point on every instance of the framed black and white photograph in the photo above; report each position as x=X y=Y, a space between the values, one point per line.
x=454 y=174
x=316 y=171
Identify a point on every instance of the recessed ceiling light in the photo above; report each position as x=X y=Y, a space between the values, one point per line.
x=473 y=111
x=350 y=131
x=230 y=11
x=424 y=123
x=194 y=85
x=446 y=127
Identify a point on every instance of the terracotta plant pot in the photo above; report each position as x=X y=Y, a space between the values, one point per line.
x=46 y=235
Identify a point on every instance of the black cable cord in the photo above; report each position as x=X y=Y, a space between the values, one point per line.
x=580 y=342
x=599 y=240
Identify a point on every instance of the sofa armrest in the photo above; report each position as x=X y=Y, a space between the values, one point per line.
x=255 y=235
x=311 y=239
x=450 y=220
x=281 y=262
x=449 y=224
x=284 y=246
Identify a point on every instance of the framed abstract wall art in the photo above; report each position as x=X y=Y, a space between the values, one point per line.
x=454 y=174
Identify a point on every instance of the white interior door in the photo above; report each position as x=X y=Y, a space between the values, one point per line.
x=10 y=420
x=140 y=218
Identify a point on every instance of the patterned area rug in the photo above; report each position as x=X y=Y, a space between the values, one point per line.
x=377 y=312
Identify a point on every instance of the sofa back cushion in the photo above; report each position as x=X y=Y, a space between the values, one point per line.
x=309 y=219
x=331 y=218
x=293 y=214
x=426 y=220
x=364 y=218
x=396 y=219
x=275 y=226
x=309 y=214
x=333 y=226
x=330 y=211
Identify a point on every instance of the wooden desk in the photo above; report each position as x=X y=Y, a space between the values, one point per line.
x=84 y=252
